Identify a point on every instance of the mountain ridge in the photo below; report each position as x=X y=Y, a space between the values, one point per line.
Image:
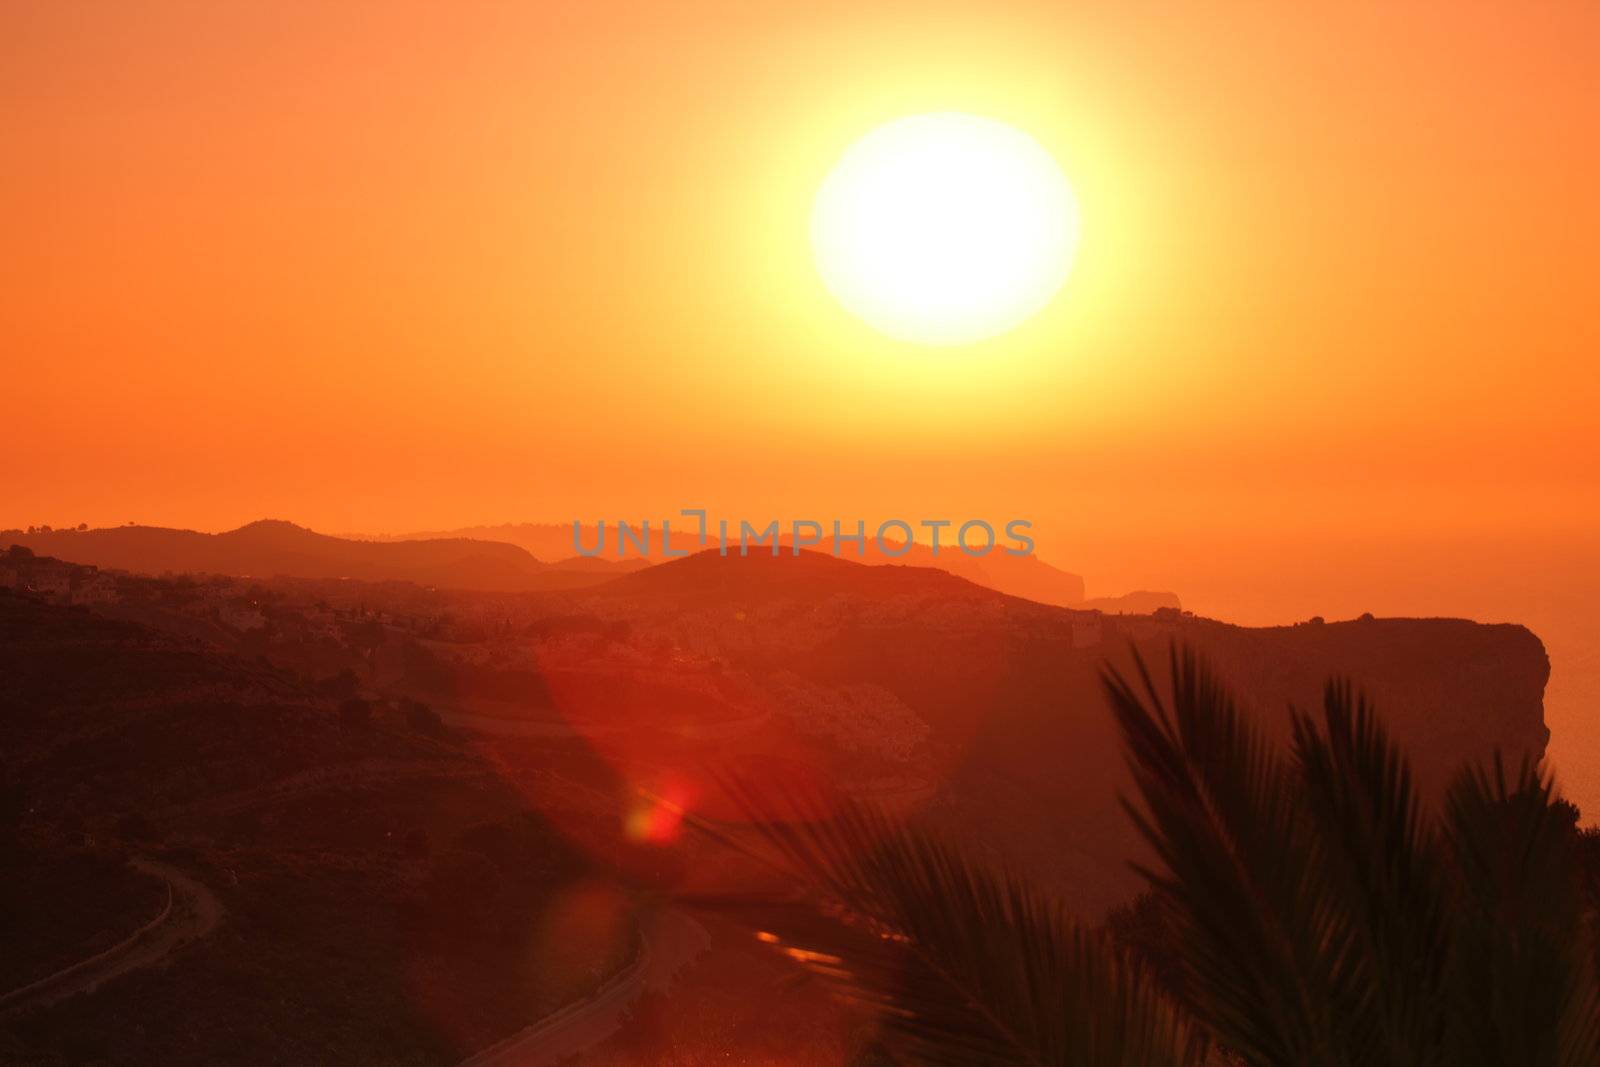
x=1026 y=576
x=269 y=547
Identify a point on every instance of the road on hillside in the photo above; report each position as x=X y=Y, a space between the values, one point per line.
x=191 y=912
x=669 y=941
x=503 y=726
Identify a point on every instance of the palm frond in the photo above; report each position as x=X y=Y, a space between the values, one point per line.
x=1525 y=989
x=964 y=967
x=1260 y=939
x=1318 y=911
x=1382 y=857
x=1324 y=915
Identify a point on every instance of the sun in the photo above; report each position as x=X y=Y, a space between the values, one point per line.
x=945 y=228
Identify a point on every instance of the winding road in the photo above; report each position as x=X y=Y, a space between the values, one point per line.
x=503 y=726
x=191 y=912
x=670 y=941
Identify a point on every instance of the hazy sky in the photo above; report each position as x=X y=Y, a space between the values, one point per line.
x=391 y=265
x=1328 y=346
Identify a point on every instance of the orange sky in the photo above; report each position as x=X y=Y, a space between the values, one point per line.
x=390 y=266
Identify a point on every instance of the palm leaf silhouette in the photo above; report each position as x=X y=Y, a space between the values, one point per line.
x=963 y=966
x=1322 y=916
x=1320 y=913
x=1524 y=981
x=1259 y=940
x=1380 y=856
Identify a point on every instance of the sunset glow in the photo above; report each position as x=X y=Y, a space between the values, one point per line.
x=945 y=228
x=647 y=534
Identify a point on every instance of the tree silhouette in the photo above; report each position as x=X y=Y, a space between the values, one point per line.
x=1319 y=913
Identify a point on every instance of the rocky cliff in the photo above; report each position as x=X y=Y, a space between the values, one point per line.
x=1017 y=751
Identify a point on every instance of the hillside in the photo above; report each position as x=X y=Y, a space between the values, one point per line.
x=377 y=881
x=401 y=872
x=709 y=577
x=982 y=709
x=995 y=703
x=1024 y=576
x=273 y=547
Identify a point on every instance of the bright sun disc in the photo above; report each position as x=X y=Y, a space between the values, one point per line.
x=945 y=228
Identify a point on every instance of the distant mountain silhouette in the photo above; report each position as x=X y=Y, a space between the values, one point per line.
x=274 y=547
x=1138 y=602
x=709 y=577
x=549 y=541
x=1024 y=576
